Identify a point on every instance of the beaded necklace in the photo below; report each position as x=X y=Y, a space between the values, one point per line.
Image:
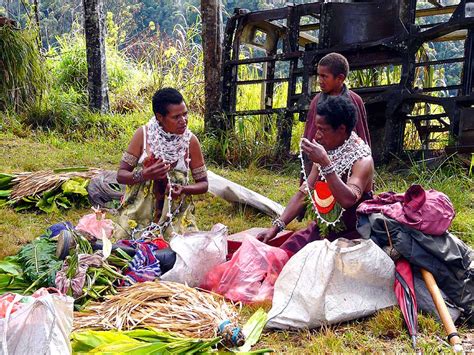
x=170 y=147
x=343 y=158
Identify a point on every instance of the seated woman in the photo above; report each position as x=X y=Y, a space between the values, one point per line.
x=155 y=169
x=341 y=178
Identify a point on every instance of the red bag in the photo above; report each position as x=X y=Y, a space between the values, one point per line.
x=251 y=273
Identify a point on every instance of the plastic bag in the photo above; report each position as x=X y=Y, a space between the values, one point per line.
x=327 y=283
x=251 y=273
x=196 y=254
x=41 y=325
x=96 y=225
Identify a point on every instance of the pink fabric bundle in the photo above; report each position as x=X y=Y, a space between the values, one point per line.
x=428 y=211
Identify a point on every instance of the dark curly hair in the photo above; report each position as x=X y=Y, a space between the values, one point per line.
x=338 y=110
x=336 y=63
x=164 y=97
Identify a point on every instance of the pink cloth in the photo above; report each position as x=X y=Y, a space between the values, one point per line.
x=96 y=225
x=430 y=212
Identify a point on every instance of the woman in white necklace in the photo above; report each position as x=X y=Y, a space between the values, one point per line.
x=155 y=169
x=340 y=179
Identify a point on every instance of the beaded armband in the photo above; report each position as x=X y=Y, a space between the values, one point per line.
x=130 y=159
x=199 y=173
x=278 y=222
x=137 y=175
x=356 y=191
x=326 y=170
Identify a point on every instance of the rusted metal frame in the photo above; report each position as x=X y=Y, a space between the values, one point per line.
x=459 y=12
x=269 y=86
x=436 y=11
x=443 y=29
x=309 y=27
x=441 y=61
x=260 y=81
x=260 y=112
x=407 y=14
x=240 y=25
x=363 y=90
x=435 y=3
x=227 y=70
x=282 y=56
x=468 y=72
x=442 y=88
x=431 y=25
x=290 y=45
x=434 y=117
x=395 y=127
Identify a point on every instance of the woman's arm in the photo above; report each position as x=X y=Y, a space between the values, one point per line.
x=346 y=194
x=198 y=170
x=293 y=208
x=127 y=174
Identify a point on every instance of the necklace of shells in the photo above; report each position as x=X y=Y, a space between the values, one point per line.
x=171 y=148
x=343 y=158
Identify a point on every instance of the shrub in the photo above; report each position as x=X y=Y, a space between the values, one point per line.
x=22 y=79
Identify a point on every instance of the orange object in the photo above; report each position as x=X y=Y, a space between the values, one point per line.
x=323 y=197
x=444 y=315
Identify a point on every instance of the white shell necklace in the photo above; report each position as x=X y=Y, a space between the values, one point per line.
x=343 y=158
x=170 y=147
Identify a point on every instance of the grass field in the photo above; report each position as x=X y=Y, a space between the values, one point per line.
x=383 y=332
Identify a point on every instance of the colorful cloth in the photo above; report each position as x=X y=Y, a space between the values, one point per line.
x=76 y=284
x=428 y=211
x=144 y=266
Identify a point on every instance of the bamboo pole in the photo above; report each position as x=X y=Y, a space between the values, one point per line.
x=444 y=315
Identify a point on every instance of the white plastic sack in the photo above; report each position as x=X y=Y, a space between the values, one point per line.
x=196 y=254
x=327 y=283
x=42 y=326
x=233 y=192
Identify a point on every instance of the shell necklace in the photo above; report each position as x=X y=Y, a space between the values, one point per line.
x=343 y=158
x=170 y=147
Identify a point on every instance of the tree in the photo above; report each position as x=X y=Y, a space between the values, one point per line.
x=212 y=37
x=95 y=29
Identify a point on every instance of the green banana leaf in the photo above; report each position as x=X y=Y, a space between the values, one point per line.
x=253 y=329
x=138 y=342
x=11 y=276
x=6 y=180
x=5 y=193
x=75 y=186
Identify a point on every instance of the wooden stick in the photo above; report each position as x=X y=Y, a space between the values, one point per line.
x=443 y=312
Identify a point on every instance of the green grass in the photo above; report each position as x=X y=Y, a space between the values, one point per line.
x=383 y=332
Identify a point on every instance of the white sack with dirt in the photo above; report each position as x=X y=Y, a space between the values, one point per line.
x=327 y=283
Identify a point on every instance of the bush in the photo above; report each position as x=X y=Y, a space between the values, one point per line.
x=22 y=79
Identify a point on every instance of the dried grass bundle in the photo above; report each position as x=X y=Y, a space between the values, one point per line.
x=34 y=183
x=166 y=306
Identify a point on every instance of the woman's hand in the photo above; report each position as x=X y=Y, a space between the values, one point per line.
x=176 y=191
x=156 y=171
x=267 y=234
x=315 y=152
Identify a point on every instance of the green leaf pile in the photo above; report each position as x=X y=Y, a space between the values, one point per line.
x=138 y=341
x=39 y=262
x=11 y=276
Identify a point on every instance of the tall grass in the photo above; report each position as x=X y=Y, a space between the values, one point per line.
x=22 y=78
